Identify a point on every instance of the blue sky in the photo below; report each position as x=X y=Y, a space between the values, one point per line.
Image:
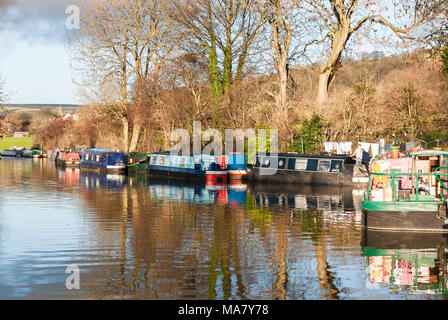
x=37 y=72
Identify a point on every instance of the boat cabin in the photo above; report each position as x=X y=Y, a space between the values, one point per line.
x=408 y=194
x=200 y=162
x=422 y=171
x=310 y=163
x=308 y=169
x=97 y=159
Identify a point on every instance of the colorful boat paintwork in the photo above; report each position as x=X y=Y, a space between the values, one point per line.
x=338 y=170
x=103 y=160
x=68 y=159
x=408 y=194
x=201 y=168
x=236 y=166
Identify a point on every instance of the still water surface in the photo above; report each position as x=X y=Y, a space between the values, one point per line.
x=135 y=238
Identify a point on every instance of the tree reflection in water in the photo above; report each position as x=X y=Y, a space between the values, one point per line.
x=139 y=238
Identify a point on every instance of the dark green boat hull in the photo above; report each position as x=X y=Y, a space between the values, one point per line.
x=404 y=216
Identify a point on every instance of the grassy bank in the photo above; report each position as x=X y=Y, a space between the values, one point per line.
x=7 y=143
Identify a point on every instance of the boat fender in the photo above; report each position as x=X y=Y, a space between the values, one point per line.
x=441 y=211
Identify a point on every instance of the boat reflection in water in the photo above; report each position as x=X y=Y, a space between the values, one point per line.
x=70 y=176
x=92 y=180
x=413 y=262
x=328 y=199
x=199 y=194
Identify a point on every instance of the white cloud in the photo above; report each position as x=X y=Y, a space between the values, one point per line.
x=42 y=19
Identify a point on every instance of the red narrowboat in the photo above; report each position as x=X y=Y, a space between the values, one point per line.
x=68 y=159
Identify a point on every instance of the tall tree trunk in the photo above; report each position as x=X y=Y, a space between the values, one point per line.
x=329 y=69
x=125 y=134
x=135 y=137
x=214 y=77
x=227 y=69
x=240 y=66
x=322 y=91
x=124 y=97
x=282 y=95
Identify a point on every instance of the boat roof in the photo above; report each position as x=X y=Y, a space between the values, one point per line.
x=429 y=153
x=308 y=156
x=98 y=149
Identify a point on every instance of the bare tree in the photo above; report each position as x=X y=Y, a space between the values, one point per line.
x=338 y=20
x=3 y=94
x=122 y=43
x=282 y=30
x=225 y=30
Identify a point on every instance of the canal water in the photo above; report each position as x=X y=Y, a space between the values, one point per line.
x=135 y=238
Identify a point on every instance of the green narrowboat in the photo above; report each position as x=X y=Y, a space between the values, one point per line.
x=136 y=162
x=408 y=194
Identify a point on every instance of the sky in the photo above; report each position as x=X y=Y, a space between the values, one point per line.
x=34 y=61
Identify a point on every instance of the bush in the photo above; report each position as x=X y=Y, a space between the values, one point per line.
x=311 y=132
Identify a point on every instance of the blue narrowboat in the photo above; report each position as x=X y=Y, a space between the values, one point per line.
x=200 y=167
x=12 y=153
x=103 y=160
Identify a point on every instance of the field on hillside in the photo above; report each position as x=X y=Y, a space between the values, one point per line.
x=32 y=109
x=7 y=143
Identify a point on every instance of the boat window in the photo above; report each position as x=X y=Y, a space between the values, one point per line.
x=291 y=163
x=266 y=162
x=301 y=164
x=162 y=161
x=87 y=156
x=97 y=158
x=182 y=162
x=324 y=165
x=336 y=166
x=154 y=160
x=281 y=163
x=312 y=164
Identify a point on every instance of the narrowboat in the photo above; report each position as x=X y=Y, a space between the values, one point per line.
x=199 y=167
x=12 y=153
x=68 y=159
x=408 y=194
x=31 y=154
x=291 y=168
x=103 y=160
x=136 y=162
